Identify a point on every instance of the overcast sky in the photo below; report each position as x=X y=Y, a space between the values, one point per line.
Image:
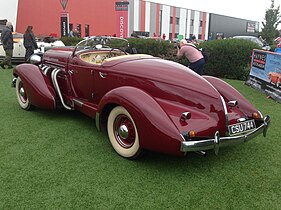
x=245 y=9
x=7 y=9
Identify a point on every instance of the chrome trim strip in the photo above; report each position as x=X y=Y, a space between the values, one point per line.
x=260 y=114
x=217 y=142
x=225 y=111
x=78 y=103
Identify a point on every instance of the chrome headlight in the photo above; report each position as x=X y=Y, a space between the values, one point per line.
x=35 y=59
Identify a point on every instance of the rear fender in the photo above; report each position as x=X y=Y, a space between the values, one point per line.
x=38 y=87
x=156 y=130
x=229 y=93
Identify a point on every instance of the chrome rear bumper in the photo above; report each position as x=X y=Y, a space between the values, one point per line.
x=217 y=141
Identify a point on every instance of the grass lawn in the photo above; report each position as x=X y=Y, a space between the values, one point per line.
x=58 y=160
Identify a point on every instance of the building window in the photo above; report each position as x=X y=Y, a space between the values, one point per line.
x=177 y=21
x=199 y=36
x=201 y=23
x=87 y=30
x=191 y=22
x=78 y=27
x=70 y=26
x=171 y=20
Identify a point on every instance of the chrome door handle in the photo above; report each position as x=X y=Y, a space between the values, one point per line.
x=72 y=71
x=103 y=75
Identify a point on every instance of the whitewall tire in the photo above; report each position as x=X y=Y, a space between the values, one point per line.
x=21 y=95
x=122 y=133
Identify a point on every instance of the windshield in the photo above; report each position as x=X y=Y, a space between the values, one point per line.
x=101 y=42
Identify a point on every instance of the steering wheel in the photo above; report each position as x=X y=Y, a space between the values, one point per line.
x=118 y=49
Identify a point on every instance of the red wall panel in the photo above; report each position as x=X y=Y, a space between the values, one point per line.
x=204 y=25
x=142 y=16
x=157 y=20
x=44 y=16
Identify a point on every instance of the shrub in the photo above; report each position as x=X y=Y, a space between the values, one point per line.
x=229 y=58
x=273 y=47
x=155 y=47
x=70 y=41
x=158 y=48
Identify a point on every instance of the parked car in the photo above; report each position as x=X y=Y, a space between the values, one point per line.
x=275 y=78
x=142 y=102
x=48 y=42
x=44 y=43
x=19 y=50
x=256 y=40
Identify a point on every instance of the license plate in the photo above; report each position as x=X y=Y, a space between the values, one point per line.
x=241 y=127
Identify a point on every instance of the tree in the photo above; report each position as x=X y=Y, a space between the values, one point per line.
x=272 y=20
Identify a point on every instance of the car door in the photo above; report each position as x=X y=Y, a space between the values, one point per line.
x=106 y=79
x=82 y=79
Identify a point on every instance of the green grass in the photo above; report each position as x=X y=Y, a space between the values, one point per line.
x=58 y=160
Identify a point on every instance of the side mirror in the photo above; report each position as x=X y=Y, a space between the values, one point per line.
x=35 y=59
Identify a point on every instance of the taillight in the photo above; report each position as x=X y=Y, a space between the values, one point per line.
x=191 y=134
x=256 y=115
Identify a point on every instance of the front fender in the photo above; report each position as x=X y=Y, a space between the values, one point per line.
x=156 y=130
x=38 y=87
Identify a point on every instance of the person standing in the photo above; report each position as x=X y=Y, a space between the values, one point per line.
x=71 y=33
x=8 y=45
x=76 y=33
x=29 y=42
x=193 y=55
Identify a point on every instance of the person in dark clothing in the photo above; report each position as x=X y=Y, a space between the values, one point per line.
x=29 y=42
x=8 y=45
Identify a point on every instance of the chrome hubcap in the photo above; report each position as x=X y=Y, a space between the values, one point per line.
x=123 y=131
x=22 y=93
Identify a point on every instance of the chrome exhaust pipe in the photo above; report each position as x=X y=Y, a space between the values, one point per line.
x=201 y=153
x=56 y=86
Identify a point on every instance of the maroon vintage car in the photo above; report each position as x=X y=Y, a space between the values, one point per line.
x=143 y=102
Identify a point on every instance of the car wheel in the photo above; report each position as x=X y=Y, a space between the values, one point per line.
x=122 y=133
x=21 y=95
